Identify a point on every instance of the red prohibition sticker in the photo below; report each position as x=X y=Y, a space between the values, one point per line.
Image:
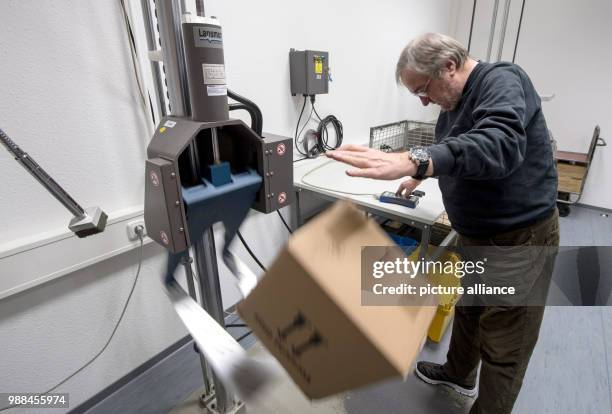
x=282 y=197
x=154 y=178
x=280 y=149
x=164 y=237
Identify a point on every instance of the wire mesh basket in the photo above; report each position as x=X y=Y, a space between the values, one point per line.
x=402 y=135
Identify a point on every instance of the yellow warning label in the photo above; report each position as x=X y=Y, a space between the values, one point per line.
x=318 y=65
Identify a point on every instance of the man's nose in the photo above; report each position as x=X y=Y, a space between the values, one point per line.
x=424 y=100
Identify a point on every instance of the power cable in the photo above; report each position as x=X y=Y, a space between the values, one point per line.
x=135 y=65
x=471 y=27
x=518 y=32
x=297 y=125
x=317 y=142
x=331 y=189
x=284 y=222
x=248 y=249
x=240 y=338
x=323 y=135
x=298 y=142
x=112 y=335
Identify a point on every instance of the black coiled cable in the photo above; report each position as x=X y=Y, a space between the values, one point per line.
x=323 y=135
x=321 y=144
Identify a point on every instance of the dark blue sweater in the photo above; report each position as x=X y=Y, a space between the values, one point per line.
x=493 y=156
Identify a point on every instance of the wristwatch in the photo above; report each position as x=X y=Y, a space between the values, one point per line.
x=420 y=156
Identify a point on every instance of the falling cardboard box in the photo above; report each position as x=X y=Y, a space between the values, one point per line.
x=307 y=309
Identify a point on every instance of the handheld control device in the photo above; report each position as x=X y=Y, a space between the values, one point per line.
x=390 y=197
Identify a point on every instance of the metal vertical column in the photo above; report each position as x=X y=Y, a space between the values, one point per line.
x=208 y=272
x=177 y=107
x=169 y=18
x=157 y=77
x=173 y=56
x=200 y=7
x=500 y=48
x=210 y=292
x=492 y=31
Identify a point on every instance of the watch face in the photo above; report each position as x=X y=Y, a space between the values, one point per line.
x=420 y=154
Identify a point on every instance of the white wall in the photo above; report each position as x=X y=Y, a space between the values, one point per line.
x=69 y=98
x=564 y=47
x=363 y=38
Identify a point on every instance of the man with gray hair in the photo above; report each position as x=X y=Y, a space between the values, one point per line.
x=495 y=168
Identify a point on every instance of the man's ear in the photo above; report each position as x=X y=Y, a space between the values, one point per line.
x=451 y=68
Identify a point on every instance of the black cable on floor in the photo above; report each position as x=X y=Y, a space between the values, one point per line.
x=248 y=249
x=284 y=222
x=240 y=338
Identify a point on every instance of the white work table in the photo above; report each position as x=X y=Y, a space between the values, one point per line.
x=328 y=179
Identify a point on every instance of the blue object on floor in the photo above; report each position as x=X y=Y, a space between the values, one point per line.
x=407 y=244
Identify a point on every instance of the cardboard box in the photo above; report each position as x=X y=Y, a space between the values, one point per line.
x=307 y=309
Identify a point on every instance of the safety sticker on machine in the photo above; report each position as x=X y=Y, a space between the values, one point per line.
x=214 y=74
x=216 y=90
x=318 y=64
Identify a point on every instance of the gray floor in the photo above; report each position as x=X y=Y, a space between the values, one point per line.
x=570 y=371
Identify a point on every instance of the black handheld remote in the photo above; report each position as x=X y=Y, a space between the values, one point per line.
x=390 y=197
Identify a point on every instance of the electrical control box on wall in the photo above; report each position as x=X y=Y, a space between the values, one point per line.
x=309 y=72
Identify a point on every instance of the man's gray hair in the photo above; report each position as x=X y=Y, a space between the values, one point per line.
x=428 y=54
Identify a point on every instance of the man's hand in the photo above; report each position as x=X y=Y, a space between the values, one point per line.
x=373 y=163
x=407 y=187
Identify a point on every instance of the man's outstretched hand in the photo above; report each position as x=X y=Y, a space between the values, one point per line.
x=371 y=163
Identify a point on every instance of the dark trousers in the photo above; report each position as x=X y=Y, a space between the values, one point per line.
x=501 y=337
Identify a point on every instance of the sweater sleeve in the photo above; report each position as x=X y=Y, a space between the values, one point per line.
x=495 y=146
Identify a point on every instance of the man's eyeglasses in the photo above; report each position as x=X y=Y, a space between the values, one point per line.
x=422 y=92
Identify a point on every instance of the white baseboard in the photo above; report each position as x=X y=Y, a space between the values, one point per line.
x=26 y=263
